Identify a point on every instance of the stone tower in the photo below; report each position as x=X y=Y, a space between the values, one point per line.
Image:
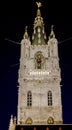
x=39 y=92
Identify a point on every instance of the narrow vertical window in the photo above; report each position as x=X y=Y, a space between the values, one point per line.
x=29 y=98
x=49 y=98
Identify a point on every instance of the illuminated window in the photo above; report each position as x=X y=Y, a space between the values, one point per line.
x=29 y=98
x=49 y=98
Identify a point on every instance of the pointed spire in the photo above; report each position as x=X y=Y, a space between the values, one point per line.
x=26 y=33
x=52 y=34
x=11 y=125
x=39 y=4
x=39 y=35
x=38 y=12
x=38 y=20
x=11 y=120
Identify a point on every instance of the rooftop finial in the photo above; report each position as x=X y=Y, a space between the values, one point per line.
x=39 y=4
x=26 y=33
x=52 y=34
x=26 y=28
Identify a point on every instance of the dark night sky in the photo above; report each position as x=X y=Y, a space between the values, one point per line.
x=13 y=19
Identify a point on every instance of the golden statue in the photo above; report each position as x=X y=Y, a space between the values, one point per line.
x=39 y=4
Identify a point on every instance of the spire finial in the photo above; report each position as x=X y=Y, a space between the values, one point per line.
x=26 y=33
x=39 y=4
x=26 y=28
x=11 y=118
x=52 y=26
x=52 y=34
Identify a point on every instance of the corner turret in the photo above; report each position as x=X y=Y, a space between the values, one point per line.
x=52 y=34
x=26 y=34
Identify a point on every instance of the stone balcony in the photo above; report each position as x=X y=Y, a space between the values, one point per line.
x=38 y=74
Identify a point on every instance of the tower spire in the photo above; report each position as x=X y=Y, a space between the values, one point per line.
x=39 y=35
x=52 y=34
x=26 y=33
x=11 y=125
x=39 y=4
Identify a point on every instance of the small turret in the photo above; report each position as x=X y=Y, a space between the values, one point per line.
x=52 y=34
x=12 y=123
x=26 y=34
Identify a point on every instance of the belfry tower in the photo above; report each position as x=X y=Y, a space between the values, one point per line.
x=39 y=95
x=39 y=92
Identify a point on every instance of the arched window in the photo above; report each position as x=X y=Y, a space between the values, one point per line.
x=29 y=98
x=49 y=98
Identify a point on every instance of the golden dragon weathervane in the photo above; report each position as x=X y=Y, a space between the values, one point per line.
x=39 y=4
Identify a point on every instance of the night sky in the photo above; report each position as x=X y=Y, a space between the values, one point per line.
x=13 y=19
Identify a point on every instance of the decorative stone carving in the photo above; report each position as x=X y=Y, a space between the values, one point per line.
x=39 y=60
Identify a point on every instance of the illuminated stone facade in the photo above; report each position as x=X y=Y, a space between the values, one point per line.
x=39 y=94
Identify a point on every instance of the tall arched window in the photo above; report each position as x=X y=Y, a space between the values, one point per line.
x=29 y=98
x=49 y=98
